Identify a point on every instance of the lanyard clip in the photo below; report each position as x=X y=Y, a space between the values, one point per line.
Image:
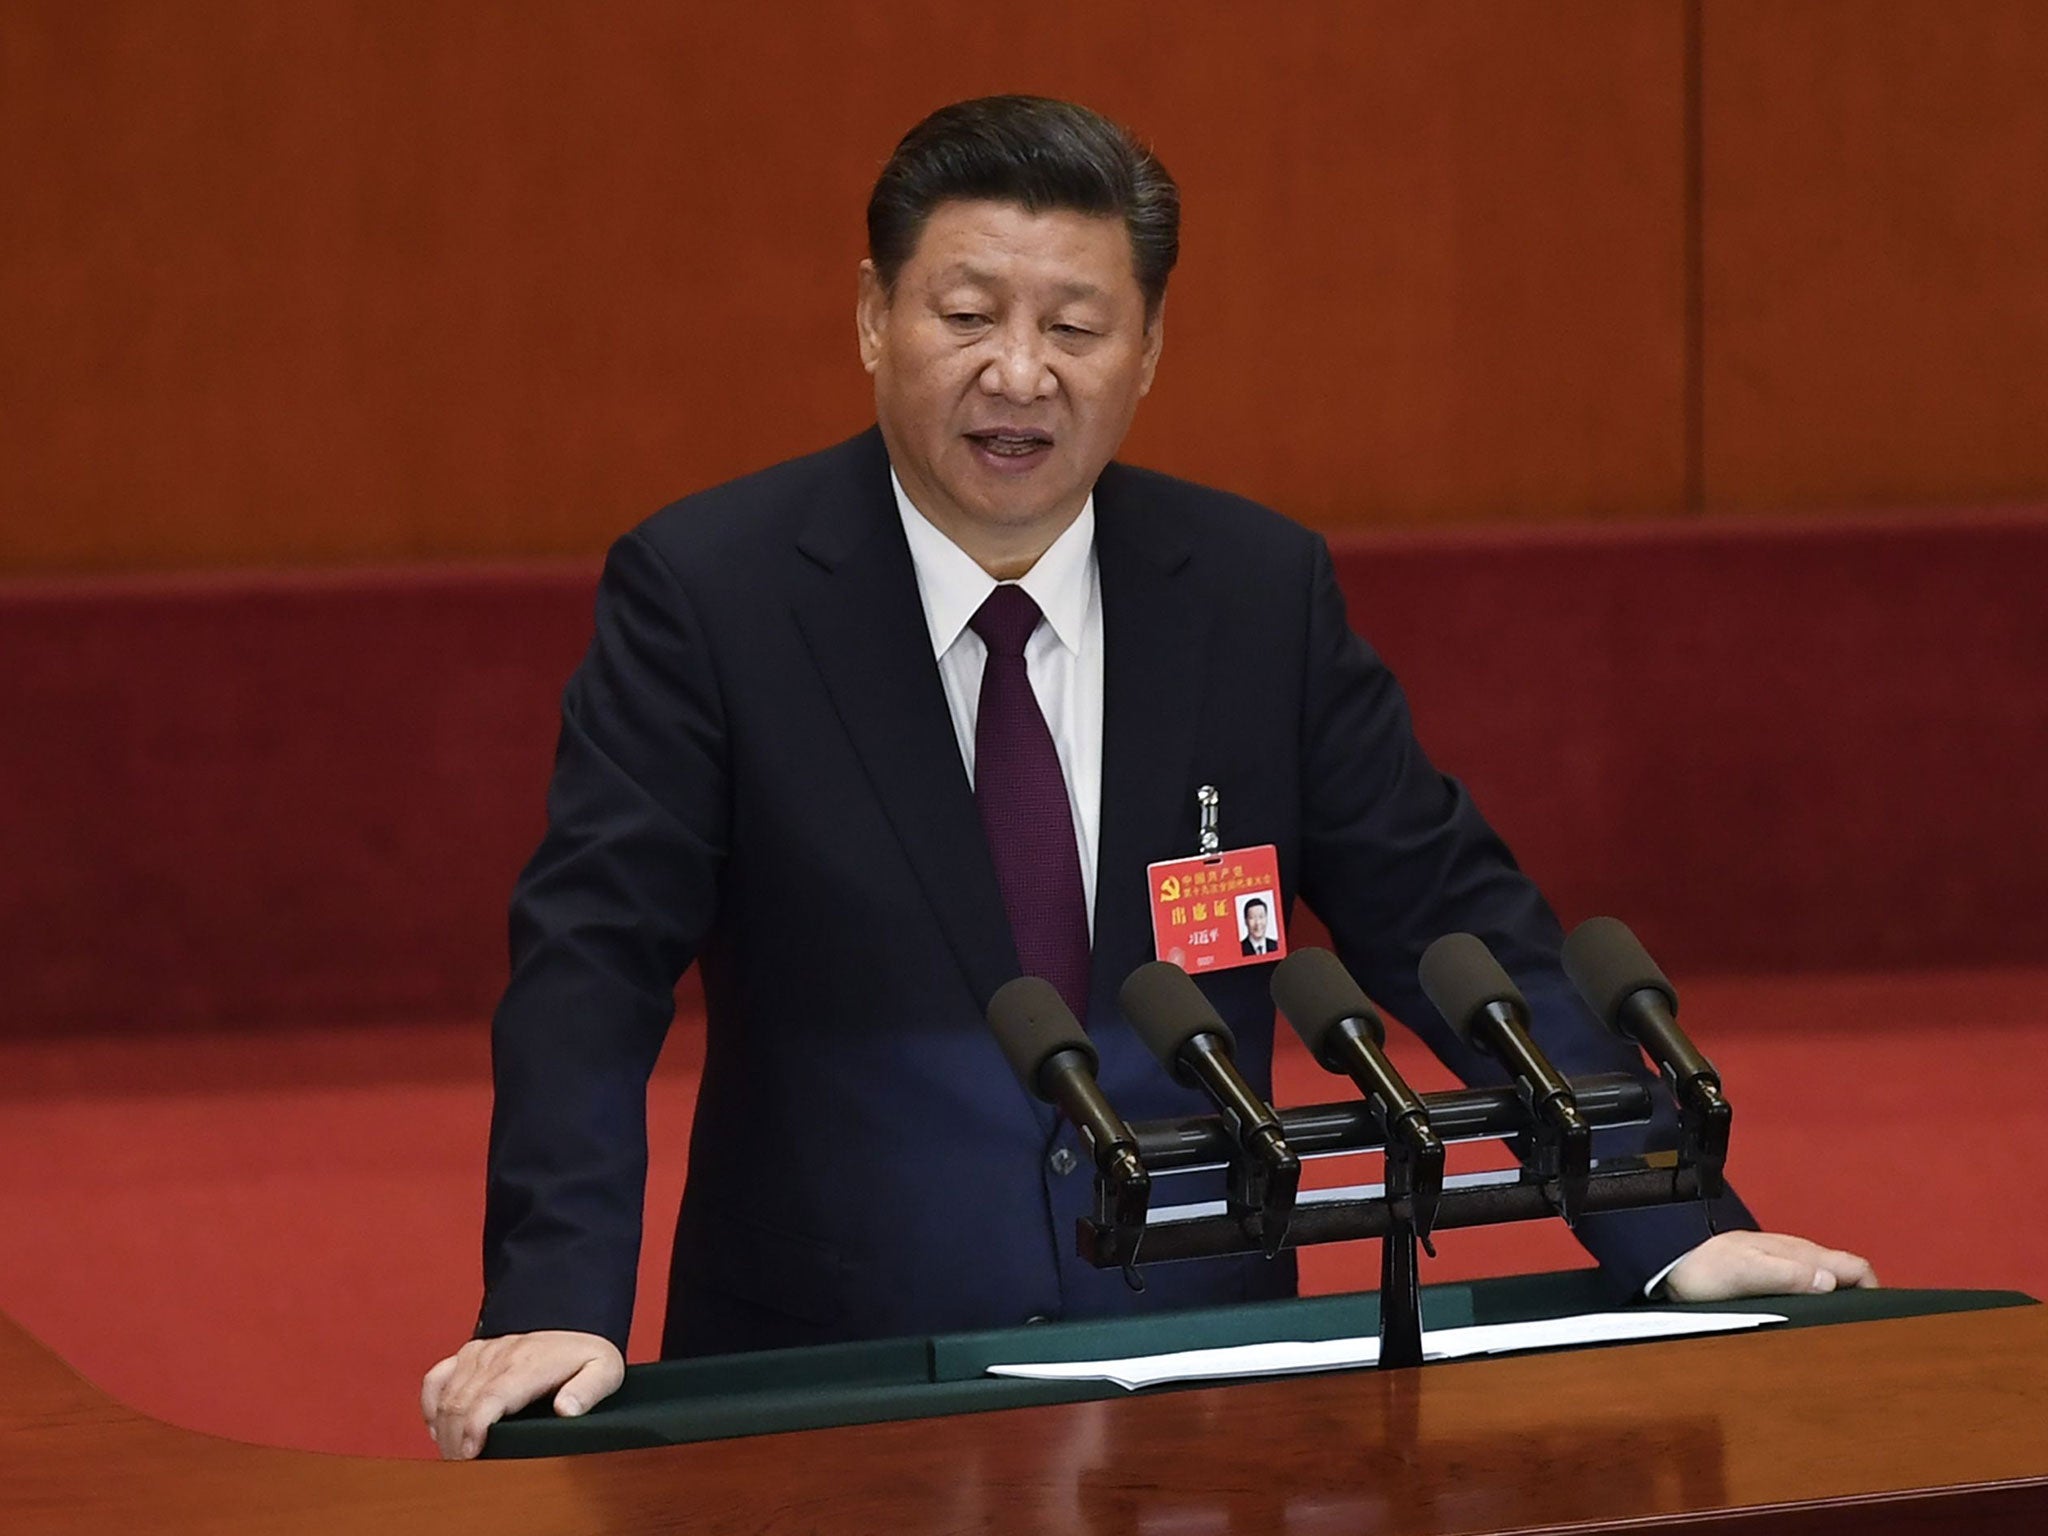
x=1207 y=802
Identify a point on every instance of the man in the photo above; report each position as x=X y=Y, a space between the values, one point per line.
x=1256 y=939
x=870 y=733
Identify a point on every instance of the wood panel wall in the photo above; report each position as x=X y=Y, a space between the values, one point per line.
x=338 y=281
x=1875 y=208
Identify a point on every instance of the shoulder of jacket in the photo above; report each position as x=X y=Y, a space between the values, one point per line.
x=1204 y=516
x=756 y=514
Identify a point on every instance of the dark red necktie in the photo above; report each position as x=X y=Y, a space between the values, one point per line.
x=1025 y=815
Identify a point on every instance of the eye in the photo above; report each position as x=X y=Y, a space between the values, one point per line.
x=966 y=319
x=1067 y=328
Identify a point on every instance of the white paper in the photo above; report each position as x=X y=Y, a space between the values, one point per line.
x=1293 y=1355
x=1167 y=1215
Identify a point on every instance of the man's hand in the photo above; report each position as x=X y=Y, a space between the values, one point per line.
x=486 y=1379
x=1733 y=1264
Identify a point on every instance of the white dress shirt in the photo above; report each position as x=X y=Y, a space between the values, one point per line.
x=1063 y=657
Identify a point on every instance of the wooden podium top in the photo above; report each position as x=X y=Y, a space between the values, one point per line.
x=1922 y=1424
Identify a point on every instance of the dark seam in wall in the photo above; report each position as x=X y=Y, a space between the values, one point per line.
x=1694 y=172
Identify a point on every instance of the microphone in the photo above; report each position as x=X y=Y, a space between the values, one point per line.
x=1056 y=1061
x=1631 y=996
x=1488 y=1012
x=1342 y=1030
x=1178 y=1025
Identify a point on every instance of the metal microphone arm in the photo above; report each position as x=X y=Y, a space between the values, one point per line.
x=1414 y=1151
x=1558 y=1146
x=1265 y=1180
x=1123 y=1190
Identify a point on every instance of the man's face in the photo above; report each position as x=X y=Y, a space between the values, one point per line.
x=1255 y=922
x=1007 y=364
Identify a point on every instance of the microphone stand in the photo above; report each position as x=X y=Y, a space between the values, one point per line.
x=1416 y=1199
x=1414 y=1184
x=1703 y=1121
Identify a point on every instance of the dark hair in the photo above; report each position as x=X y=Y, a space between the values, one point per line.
x=1256 y=901
x=1036 y=152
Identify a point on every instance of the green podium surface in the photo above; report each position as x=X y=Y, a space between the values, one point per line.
x=726 y=1396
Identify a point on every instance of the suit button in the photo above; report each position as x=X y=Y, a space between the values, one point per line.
x=1063 y=1161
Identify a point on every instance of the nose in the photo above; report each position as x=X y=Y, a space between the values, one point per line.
x=1017 y=369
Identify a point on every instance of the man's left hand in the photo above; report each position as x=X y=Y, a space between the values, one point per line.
x=1734 y=1264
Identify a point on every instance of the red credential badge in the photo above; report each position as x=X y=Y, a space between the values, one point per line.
x=1211 y=913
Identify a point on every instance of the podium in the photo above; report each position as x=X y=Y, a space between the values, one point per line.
x=776 y=1391
x=1934 y=1421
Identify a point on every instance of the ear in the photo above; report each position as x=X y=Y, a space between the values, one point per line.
x=1155 y=339
x=870 y=315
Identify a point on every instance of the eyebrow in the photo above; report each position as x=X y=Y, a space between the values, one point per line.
x=982 y=277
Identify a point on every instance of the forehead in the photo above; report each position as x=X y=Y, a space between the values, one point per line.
x=1000 y=242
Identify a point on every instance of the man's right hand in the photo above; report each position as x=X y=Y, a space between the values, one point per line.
x=486 y=1379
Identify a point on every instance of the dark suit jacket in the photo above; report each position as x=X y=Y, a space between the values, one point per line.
x=756 y=771
x=1247 y=947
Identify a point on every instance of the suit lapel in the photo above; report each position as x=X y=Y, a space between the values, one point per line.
x=864 y=624
x=863 y=621
x=1155 y=655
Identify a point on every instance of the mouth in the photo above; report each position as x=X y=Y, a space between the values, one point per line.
x=1011 y=449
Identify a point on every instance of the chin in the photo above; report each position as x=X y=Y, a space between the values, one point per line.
x=1016 y=511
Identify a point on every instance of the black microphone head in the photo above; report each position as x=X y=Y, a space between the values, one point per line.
x=1168 y=1010
x=1315 y=993
x=1033 y=1023
x=1460 y=977
x=1609 y=965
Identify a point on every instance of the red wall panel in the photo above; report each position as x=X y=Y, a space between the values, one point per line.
x=1876 y=252
x=338 y=281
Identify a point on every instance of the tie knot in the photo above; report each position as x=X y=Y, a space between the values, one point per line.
x=1006 y=620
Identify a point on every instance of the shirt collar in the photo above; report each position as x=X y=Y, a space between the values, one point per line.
x=954 y=587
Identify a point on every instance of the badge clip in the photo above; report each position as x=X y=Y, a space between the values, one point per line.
x=1209 y=804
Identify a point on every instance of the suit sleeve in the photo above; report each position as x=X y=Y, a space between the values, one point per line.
x=1395 y=854
x=604 y=919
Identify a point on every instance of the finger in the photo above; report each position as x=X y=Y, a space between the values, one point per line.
x=476 y=1383
x=510 y=1381
x=1839 y=1266
x=447 y=1432
x=1794 y=1267
x=486 y=1410
x=1851 y=1269
x=1781 y=1245
x=457 y=1394
x=1731 y=1271
x=432 y=1386
x=597 y=1380
x=505 y=1392
x=1771 y=1274
x=458 y=1402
